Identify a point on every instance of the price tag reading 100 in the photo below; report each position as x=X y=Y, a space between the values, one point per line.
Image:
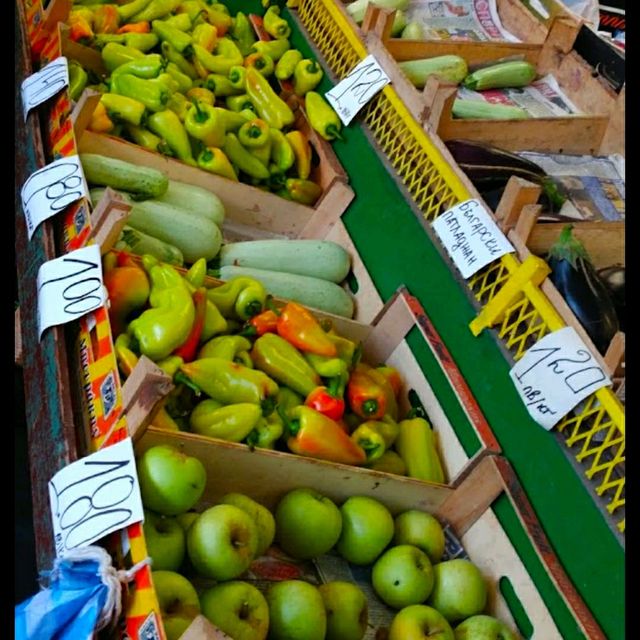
x=555 y=375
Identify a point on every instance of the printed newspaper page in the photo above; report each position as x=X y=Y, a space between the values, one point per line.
x=541 y=99
x=459 y=20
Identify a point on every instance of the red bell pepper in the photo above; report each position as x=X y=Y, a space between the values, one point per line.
x=297 y=325
x=188 y=349
x=328 y=400
x=265 y=322
x=128 y=288
x=365 y=396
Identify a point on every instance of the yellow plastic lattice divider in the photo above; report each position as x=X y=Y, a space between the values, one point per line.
x=595 y=432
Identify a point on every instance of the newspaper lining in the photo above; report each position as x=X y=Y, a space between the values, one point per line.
x=543 y=98
x=459 y=20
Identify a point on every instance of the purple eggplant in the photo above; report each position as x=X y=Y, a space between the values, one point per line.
x=614 y=279
x=577 y=280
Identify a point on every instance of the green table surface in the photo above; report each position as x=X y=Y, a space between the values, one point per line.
x=396 y=250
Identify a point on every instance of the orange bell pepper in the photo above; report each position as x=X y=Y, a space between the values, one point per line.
x=128 y=288
x=265 y=322
x=135 y=27
x=297 y=325
x=365 y=396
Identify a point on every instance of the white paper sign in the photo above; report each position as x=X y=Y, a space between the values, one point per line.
x=70 y=287
x=44 y=84
x=354 y=91
x=471 y=237
x=555 y=374
x=51 y=189
x=95 y=496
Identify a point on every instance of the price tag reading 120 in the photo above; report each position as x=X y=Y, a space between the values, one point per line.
x=52 y=189
x=44 y=84
x=95 y=496
x=70 y=287
x=556 y=374
x=354 y=91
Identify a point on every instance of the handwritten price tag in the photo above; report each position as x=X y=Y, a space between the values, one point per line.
x=95 y=496
x=555 y=375
x=352 y=93
x=69 y=287
x=44 y=84
x=471 y=237
x=52 y=189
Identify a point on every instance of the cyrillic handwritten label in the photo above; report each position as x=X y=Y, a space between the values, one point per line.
x=555 y=374
x=471 y=237
x=44 y=84
x=51 y=189
x=95 y=496
x=354 y=91
x=69 y=287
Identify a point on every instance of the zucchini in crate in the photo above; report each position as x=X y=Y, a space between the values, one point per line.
x=312 y=292
x=134 y=241
x=449 y=68
x=316 y=258
x=481 y=110
x=104 y=171
x=200 y=201
x=196 y=237
x=514 y=73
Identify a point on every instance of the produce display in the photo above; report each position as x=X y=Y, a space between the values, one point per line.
x=202 y=556
x=191 y=81
x=248 y=371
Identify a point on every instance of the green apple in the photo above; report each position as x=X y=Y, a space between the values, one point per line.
x=222 y=542
x=459 y=590
x=403 y=575
x=170 y=481
x=185 y=520
x=367 y=528
x=347 y=610
x=296 y=611
x=261 y=516
x=482 y=627
x=165 y=541
x=178 y=601
x=308 y=524
x=422 y=530
x=238 y=609
x=420 y=622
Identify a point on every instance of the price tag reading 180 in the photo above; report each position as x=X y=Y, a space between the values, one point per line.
x=95 y=496
x=70 y=287
x=354 y=91
x=52 y=189
x=555 y=375
x=44 y=84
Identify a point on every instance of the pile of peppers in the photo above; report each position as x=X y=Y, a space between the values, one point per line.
x=272 y=377
x=188 y=80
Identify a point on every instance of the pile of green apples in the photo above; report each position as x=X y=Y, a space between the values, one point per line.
x=404 y=554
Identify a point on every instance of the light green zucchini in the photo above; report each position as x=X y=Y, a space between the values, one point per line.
x=515 y=73
x=196 y=237
x=136 y=179
x=200 y=201
x=134 y=241
x=316 y=258
x=481 y=110
x=311 y=292
x=449 y=68
x=413 y=31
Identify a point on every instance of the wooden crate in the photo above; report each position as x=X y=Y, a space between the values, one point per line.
x=465 y=507
x=599 y=130
x=383 y=340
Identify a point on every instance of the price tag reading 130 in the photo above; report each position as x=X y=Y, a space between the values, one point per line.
x=95 y=496
x=44 y=84
x=70 y=287
x=556 y=374
x=354 y=91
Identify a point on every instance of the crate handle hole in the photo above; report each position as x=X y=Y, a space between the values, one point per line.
x=352 y=282
x=515 y=607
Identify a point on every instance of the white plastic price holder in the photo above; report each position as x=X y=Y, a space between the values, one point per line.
x=471 y=237
x=555 y=375
x=70 y=287
x=52 y=189
x=44 y=84
x=354 y=91
x=95 y=496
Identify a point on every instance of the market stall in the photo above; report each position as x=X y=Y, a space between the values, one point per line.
x=365 y=200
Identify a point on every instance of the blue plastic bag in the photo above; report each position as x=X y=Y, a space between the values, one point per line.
x=83 y=595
